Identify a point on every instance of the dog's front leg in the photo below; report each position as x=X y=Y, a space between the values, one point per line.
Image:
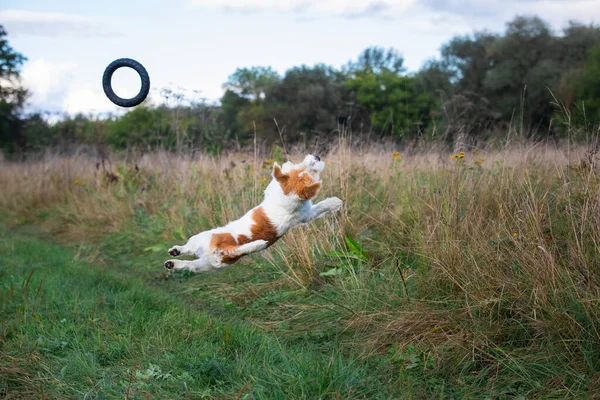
x=325 y=206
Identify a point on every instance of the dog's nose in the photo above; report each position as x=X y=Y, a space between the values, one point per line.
x=318 y=158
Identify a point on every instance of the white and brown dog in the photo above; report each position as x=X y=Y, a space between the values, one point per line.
x=287 y=203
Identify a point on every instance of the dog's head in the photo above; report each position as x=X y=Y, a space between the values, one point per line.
x=303 y=179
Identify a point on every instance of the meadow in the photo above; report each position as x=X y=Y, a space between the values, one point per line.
x=466 y=275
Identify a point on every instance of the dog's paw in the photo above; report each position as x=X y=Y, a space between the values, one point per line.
x=335 y=203
x=174 y=251
x=169 y=264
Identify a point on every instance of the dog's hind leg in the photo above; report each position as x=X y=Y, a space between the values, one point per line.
x=184 y=250
x=199 y=265
x=230 y=255
x=192 y=247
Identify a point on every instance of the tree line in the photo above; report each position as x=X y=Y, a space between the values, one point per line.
x=528 y=78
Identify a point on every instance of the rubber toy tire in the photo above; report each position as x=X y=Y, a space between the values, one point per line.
x=107 y=78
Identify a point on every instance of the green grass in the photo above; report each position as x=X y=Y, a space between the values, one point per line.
x=101 y=321
x=438 y=279
x=74 y=329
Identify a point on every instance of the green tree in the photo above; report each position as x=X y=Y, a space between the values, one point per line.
x=12 y=94
x=377 y=60
x=468 y=59
x=394 y=104
x=143 y=126
x=588 y=87
x=308 y=101
x=524 y=67
x=36 y=132
x=576 y=42
x=246 y=91
x=435 y=77
x=232 y=105
x=252 y=83
x=509 y=78
x=80 y=128
x=574 y=48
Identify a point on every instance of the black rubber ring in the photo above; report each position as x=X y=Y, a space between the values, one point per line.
x=107 y=78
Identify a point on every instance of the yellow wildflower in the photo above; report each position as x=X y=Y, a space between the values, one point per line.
x=452 y=157
x=76 y=181
x=460 y=155
x=263 y=180
x=515 y=234
x=268 y=163
x=396 y=154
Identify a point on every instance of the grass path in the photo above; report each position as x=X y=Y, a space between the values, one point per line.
x=74 y=329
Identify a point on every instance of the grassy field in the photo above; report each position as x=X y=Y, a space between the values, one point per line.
x=475 y=276
x=75 y=329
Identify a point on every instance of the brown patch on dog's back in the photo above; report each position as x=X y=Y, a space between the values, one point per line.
x=243 y=239
x=296 y=182
x=263 y=228
x=225 y=242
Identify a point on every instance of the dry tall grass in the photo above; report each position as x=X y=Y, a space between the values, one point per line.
x=480 y=252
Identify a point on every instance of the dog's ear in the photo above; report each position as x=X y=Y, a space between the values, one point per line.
x=278 y=173
x=310 y=191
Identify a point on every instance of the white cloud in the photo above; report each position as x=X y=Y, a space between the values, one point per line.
x=47 y=24
x=558 y=13
x=496 y=12
x=337 y=8
x=414 y=15
x=53 y=89
x=86 y=101
x=48 y=83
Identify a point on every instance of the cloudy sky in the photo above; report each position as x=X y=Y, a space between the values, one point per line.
x=197 y=44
